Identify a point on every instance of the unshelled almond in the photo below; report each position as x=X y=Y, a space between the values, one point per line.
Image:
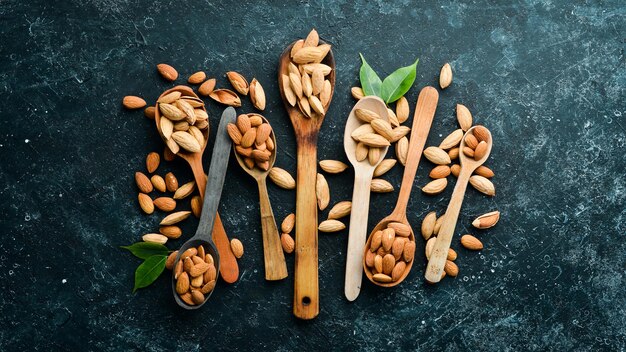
x=182 y=284
x=357 y=93
x=196 y=206
x=236 y=247
x=440 y=171
x=158 y=182
x=257 y=94
x=287 y=243
x=197 y=78
x=435 y=187
x=226 y=97
x=168 y=72
x=207 y=87
x=238 y=82
x=453 y=153
x=165 y=203
x=452 y=140
x=463 y=117
x=187 y=141
x=379 y=185
x=481 y=150
x=455 y=170
x=322 y=192
x=152 y=161
x=484 y=171
x=361 y=151
x=481 y=133
x=331 y=225
x=383 y=128
x=154 y=238
x=169 y=262
x=172 y=112
x=145 y=203
x=428 y=225
x=307 y=85
x=373 y=155
x=185 y=190
x=402 y=150
x=402 y=109
x=483 y=185
x=409 y=251
x=133 y=102
x=333 y=166
x=451 y=268
x=472 y=243
x=171 y=182
x=374 y=140
x=175 y=218
x=382 y=278
x=340 y=210
x=366 y=115
x=428 y=249
x=143 y=183
x=445 y=76
x=437 y=156
x=287 y=225
x=384 y=166
x=171 y=231
x=282 y=178
x=170 y=97
x=487 y=220
x=149 y=112
x=451 y=254
x=400 y=229
x=393 y=119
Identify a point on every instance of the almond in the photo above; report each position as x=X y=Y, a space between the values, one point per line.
x=145 y=203
x=133 y=102
x=158 y=182
x=307 y=85
x=296 y=46
x=373 y=155
x=263 y=132
x=312 y=39
x=168 y=72
x=438 y=224
x=190 y=252
x=154 y=238
x=187 y=141
x=172 y=112
x=400 y=229
x=322 y=192
x=181 y=126
x=169 y=98
x=340 y=210
x=169 y=262
x=287 y=242
x=287 y=225
x=171 y=182
x=361 y=151
x=378 y=262
x=248 y=138
x=452 y=140
x=379 y=185
x=238 y=82
x=199 y=269
x=369 y=259
x=393 y=119
x=208 y=287
x=178 y=269
x=152 y=162
x=409 y=251
x=196 y=206
x=237 y=247
x=189 y=111
x=428 y=225
x=472 y=243
x=397 y=271
x=382 y=278
x=428 y=249
x=388 y=263
x=483 y=185
x=451 y=269
x=464 y=117
x=453 y=153
x=165 y=203
x=451 y=254
x=197 y=134
x=366 y=115
x=481 y=133
x=402 y=150
x=455 y=170
x=383 y=128
x=295 y=81
x=384 y=166
x=487 y=220
x=377 y=241
x=188 y=299
x=243 y=123
x=207 y=87
x=149 y=112
x=389 y=235
x=437 y=156
x=182 y=284
x=288 y=91
x=469 y=152
x=175 y=218
x=197 y=78
x=361 y=131
x=471 y=141
x=312 y=54
x=484 y=172
x=435 y=187
x=331 y=226
x=333 y=166
x=226 y=97
x=316 y=105
x=185 y=190
x=480 y=151
x=402 y=109
x=171 y=231
x=399 y=132
x=326 y=93
x=440 y=171
x=282 y=178
x=374 y=140
x=211 y=273
x=309 y=68
x=197 y=296
x=257 y=94
x=357 y=93
x=143 y=183
x=261 y=156
x=167 y=128
x=398 y=247
x=305 y=106
x=445 y=76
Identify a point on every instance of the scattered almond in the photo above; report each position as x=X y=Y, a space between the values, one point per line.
x=402 y=109
x=158 y=182
x=322 y=192
x=132 y=102
x=207 y=87
x=357 y=93
x=175 y=218
x=288 y=223
x=196 y=206
x=257 y=94
x=435 y=187
x=287 y=243
x=197 y=78
x=483 y=185
x=451 y=268
x=237 y=247
x=333 y=166
x=143 y=183
x=282 y=178
x=487 y=220
x=384 y=166
x=165 y=203
x=455 y=170
x=340 y=210
x=149 y=112
x=445 y=76
x=472 y=243
x=331 y=226
x=484 y=171
x=379 y=185
x=168 y=72
x=464 y=117
x=437 y=156
x=452 y=140
x=428 y=225
x=440 y=171
x=185 y=190
x=145 y=203
x=402 y=150
x=171 y=231
x=171 y=182
x=154 y=238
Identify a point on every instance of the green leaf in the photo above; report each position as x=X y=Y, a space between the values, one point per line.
x=145 y=250
x=149 y=271
x=370 y=82
x=398 y=83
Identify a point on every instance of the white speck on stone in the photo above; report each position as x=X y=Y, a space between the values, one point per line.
x=27 y=140
x=63 y=281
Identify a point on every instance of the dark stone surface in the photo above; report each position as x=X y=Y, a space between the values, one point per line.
x=547 y=77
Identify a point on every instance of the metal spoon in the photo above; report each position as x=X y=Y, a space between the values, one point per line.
x=213 y=191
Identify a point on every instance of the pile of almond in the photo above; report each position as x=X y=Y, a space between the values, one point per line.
x=306 y=84
x=390 y=252
x=183 y=118
x=374 y=135
x=195 y=274
x=253 y=139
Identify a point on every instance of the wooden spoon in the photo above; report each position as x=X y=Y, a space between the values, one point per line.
x=422 y=120
x=275 y=265
x=439 y=253
x=229 y=270
x=306 y=285
x=213 y=190
x=363 y=173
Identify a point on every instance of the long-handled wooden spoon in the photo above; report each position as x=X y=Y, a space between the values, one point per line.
x=229 y=270
x=217 y=173
x=306 y=285
x=439 y=253
x=275 y=265
x=422 y=120
x=363 y=172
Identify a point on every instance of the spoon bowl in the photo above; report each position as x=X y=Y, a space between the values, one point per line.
x=371 y=103
x=256 y=172
x=209 y=248
x=471 y=163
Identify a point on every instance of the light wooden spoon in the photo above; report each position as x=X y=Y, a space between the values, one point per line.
x=422 y=120
x=229 y=270
x=363 y=173
x=306 y=283
x=439 y=253
x=275 y=265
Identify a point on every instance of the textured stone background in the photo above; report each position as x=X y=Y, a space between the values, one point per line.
x=547 y=77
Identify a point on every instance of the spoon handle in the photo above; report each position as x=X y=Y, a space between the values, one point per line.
x=439 y=254
x=215 y=179
x=357 y=234
x=275 y=265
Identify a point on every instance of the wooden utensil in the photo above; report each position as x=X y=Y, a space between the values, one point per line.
x=439 y=253
x=275 y=265
x=422 y=120
x=306 y=289
x=229 y=270
x=213 y=191
x=363 y=172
